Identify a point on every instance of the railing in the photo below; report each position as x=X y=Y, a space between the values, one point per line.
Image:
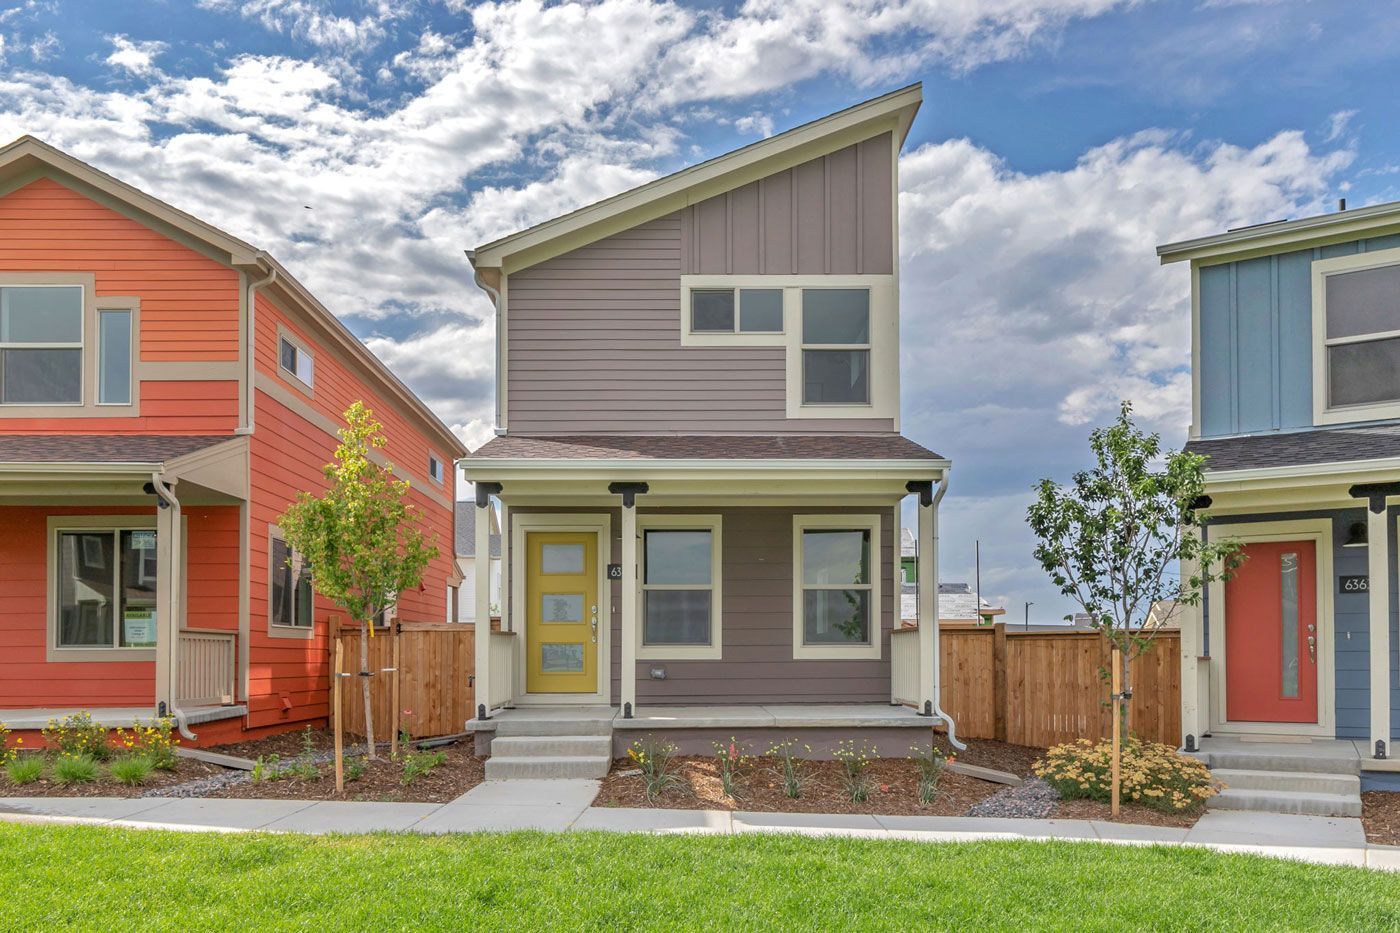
x=207 y=668
x=904 y=666
x=502 y=661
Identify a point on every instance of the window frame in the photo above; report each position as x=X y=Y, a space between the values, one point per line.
x=1324 y=412
x=737 y=293
x=714 y=524
x=874 y=649
x=114 y=525
x=104 y=308
x=441 y=476
x=302 y=347
x=804 y=347
x=277 y=629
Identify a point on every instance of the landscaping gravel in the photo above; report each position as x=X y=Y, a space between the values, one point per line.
x=1033 y=799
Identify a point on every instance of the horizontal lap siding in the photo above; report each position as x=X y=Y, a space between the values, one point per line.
x=594 y=334
x=189 y=302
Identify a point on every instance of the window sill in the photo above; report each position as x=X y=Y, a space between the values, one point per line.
x=56 y=655
x=679 y=653
x=836 y=652
x=291 y=631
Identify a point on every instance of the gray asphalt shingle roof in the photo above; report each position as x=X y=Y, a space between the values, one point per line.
x=1300 y=448
x=705 y=447
x=465 y=543
x=102 y=448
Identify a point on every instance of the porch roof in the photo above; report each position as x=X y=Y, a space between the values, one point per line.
x=1345 y=446
x=146 y=450
x=704 y=447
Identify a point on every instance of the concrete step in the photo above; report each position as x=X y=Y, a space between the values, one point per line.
x=552 y=746
x=499 y=768
x=1275 y=801
x=556 y=727
x=1253 y=761
x=1307 y=782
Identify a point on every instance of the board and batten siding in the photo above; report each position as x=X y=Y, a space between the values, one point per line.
x=757 y=665
x=594 y=335
x=1256 y=339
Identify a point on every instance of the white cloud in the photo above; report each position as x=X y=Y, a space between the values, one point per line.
x=137 y=57
x=313 y=21
x=760 y=124
x=1338 y=124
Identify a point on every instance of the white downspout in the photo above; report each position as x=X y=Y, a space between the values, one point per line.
x=937 y=673
x=172 y=645
x=495 y=295
x=250 y=365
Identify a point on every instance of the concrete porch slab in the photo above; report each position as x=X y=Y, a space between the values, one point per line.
x=698 y=717
x=112 y=717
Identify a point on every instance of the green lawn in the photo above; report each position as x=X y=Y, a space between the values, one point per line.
x=74 y=876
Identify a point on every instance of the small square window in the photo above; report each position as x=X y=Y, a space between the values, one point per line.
x=296 y=361
x=761 y=310
x=712 y=310
x=434 y=469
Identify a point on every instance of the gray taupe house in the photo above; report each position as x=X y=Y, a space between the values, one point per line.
x=698 y=461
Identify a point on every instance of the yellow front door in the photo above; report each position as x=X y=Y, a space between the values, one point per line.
x=561 y=615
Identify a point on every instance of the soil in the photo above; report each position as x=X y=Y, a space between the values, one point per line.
x=107 y=786
x=1014 y=759
x=1127 y=813
x=1380 y=814
x=382 y=779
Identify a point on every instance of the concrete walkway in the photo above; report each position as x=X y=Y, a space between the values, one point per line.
x=555 y=806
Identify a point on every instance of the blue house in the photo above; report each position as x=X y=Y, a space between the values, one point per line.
x=1296 y=401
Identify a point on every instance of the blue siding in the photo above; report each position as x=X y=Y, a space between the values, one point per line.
x=1256 y=340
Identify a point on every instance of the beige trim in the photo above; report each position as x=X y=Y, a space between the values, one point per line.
x=275 y=630
x=1264 y=239
x=245 y=595
x=1195 y=429
x=893 y=112
x=1319 y=531
x=1323 y=412
x=871 y=651
x=714 y=524
x=601 y=525
x=291 y=378
x=205 y=371
x=274 y=388
x=792 y=311
x=223 y=468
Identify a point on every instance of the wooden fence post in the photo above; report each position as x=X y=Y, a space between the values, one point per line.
x=999 y=700
x=335 y=693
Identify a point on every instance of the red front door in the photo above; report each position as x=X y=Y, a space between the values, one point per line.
x=1271 y=634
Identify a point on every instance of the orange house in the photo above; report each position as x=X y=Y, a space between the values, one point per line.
x=166 y=390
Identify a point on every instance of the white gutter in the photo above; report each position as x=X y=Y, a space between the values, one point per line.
x=494 y=466
x=249 y=404
x=165 y=492
x=938 y=711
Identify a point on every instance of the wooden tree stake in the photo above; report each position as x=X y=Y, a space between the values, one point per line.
x=335 y=692
x=1117 y=679
x=394 y=692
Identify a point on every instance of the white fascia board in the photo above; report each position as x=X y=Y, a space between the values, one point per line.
x=1355 y=222
x=1306 y=474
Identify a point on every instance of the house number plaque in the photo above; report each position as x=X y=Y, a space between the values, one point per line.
x=1353 y=584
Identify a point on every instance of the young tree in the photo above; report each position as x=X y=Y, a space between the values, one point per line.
x=1113 y=539
x=364 y=542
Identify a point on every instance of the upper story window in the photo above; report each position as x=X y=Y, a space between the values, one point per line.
x=1357 y=335
x=736 y=310
x=434 y=468
x=41 y=345
x=295 y=359
x=836 y=346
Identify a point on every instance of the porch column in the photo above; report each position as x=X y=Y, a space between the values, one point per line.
x=927 y=589
x=1189 y=621
x=1378 y=608
x=481 y=620
x=168 y=576
x=629 y=492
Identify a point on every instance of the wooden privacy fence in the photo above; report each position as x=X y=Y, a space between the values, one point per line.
x=435 y=667
x=1043 y=688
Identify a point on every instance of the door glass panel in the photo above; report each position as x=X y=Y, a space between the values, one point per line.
x=562 y=607
x=566 y=658
x=1288 y=573
x=561 y=558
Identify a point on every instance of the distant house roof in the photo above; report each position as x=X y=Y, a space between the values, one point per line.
x=1279 y=235
x=908 y=544
x=1164 y=614
x=151 y=449
x=956 y=603
x=1299 y=448
x=704 y=447
x=466 y=531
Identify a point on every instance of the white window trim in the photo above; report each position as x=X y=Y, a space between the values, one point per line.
x=102 y=524
x=275 y=629
x=714 y=650
x=872 y=651
x=883 y=346
x=1323 y=411
x=302 y=346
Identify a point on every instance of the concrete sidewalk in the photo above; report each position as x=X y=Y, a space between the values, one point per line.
x=555 y=806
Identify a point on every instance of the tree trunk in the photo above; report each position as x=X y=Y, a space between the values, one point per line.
x=364 y=681
x=1127 y=687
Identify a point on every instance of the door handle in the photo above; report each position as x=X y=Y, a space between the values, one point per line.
x=593 y=622
x=1312 y=648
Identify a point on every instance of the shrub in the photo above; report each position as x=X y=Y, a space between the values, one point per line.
x=1152 y=774
x=132 y=770
x=24 y=769
x=354 y=769
x=417 y=764
x=931 y=762
x=792 y=768
x=154 y=740
x=654 y=760
x=75 y=769
x=854 y=761
x=77 y=735
x=732 y=756
x=268 y=768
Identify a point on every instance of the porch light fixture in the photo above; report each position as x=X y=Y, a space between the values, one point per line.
x=1356 y=535
x=150 y=490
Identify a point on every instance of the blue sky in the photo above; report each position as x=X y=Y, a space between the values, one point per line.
x=367 y=144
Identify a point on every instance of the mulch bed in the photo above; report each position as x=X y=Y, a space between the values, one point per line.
x=106 y=785
x=988 y=753
x=382 y=780
x=1127 y=813
x=1380 y=814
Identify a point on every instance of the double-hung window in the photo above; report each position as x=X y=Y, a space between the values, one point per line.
x=836 y=591
x=836 y=346
x=104 y=588
x=1361 y=333
x=680 y=583
x=41 y=345
x=290 y=596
